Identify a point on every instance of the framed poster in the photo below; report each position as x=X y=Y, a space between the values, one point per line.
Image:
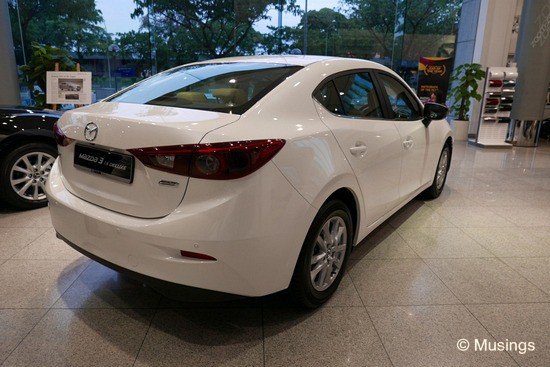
x=65 y=87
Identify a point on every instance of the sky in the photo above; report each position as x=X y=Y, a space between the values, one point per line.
x=116 y=14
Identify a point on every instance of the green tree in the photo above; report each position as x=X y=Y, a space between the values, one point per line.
x=421 y=17
x=377 y=17
x=290 y=38
x=69 y=24
x=219 y=28
x=325 y=29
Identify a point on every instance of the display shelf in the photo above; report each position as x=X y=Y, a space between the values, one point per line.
x=496 y=104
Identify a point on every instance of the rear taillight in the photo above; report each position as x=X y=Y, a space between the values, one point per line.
x=60 y=138
x=215 y=161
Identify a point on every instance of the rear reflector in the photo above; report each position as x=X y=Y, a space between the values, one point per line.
x=215 y=161
x=60 y=138
x=196 y=255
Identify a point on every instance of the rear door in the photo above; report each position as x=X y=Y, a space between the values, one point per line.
x=350 y=107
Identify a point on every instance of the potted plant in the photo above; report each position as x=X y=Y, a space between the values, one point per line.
x=464 y=80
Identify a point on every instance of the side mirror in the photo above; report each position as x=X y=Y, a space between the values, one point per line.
x=434 y=111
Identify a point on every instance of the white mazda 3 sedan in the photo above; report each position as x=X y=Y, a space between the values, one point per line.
x=245 y=175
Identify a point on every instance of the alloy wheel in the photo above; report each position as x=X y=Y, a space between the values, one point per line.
x=29 y=174
x=442 y=169
x=328 y=253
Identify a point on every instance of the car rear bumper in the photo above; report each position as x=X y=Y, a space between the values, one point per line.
x=248 y=231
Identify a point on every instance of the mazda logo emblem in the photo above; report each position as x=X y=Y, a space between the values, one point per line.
x=90 y=132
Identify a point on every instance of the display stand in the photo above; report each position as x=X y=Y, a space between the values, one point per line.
x=498 y=95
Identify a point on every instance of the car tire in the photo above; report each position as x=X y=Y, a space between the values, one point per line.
x=440 y=176
x=23 y=173
x=324 y=255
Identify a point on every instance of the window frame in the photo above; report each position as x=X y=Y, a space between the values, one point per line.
x=377 y=90
x=240 y=109
x=386 y=99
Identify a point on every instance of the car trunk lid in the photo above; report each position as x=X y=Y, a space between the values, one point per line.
x=98 y=167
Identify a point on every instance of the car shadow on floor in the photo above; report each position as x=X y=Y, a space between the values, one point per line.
x=238 y=326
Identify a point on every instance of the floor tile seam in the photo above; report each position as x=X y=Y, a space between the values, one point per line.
x=457 y=303
x=70 y=285
x=27 y=334
x=496 y=258
x=28 y=244
x=441 y=280
x=494 y=208
x=57 y=259
x=262 y=318
x=437 y=258
x=407 y=243
x=145 y=336
x=28 y=227
x=459 y=258
x=417 y=305
x=467 y=257
x=525 y=278
x=51 y=260
x=508 y=303
x=492 y=336
x=512 y=224
x=372 y=322
x=478 y=242
x=491 y=180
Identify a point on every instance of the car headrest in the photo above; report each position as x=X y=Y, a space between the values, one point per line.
x=190 y=97
x=231 y=96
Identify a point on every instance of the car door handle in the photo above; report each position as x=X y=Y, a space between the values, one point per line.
x=408 y=144
x=358 y=150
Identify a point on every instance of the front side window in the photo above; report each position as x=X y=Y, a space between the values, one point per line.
x=351 y=95
x=222 y=87
x=403 y=106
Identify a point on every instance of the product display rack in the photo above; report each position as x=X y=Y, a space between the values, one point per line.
x=498 y=95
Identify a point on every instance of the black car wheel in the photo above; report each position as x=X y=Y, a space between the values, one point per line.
x=324 y=255
x=23 y=173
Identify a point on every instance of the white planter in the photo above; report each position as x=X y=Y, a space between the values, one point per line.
x=460 y=129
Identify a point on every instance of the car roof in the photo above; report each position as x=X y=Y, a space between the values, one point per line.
x=298 y=60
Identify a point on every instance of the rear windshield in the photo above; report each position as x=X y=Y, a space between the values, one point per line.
x=226 y=87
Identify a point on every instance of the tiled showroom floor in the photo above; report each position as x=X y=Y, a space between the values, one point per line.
x=473 y=264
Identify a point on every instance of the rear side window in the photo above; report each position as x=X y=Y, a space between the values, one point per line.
x=226 y=87
x=328 y=96
x=403 y=105
x=351 y=95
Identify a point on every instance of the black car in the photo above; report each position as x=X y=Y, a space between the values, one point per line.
x=27 y=152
